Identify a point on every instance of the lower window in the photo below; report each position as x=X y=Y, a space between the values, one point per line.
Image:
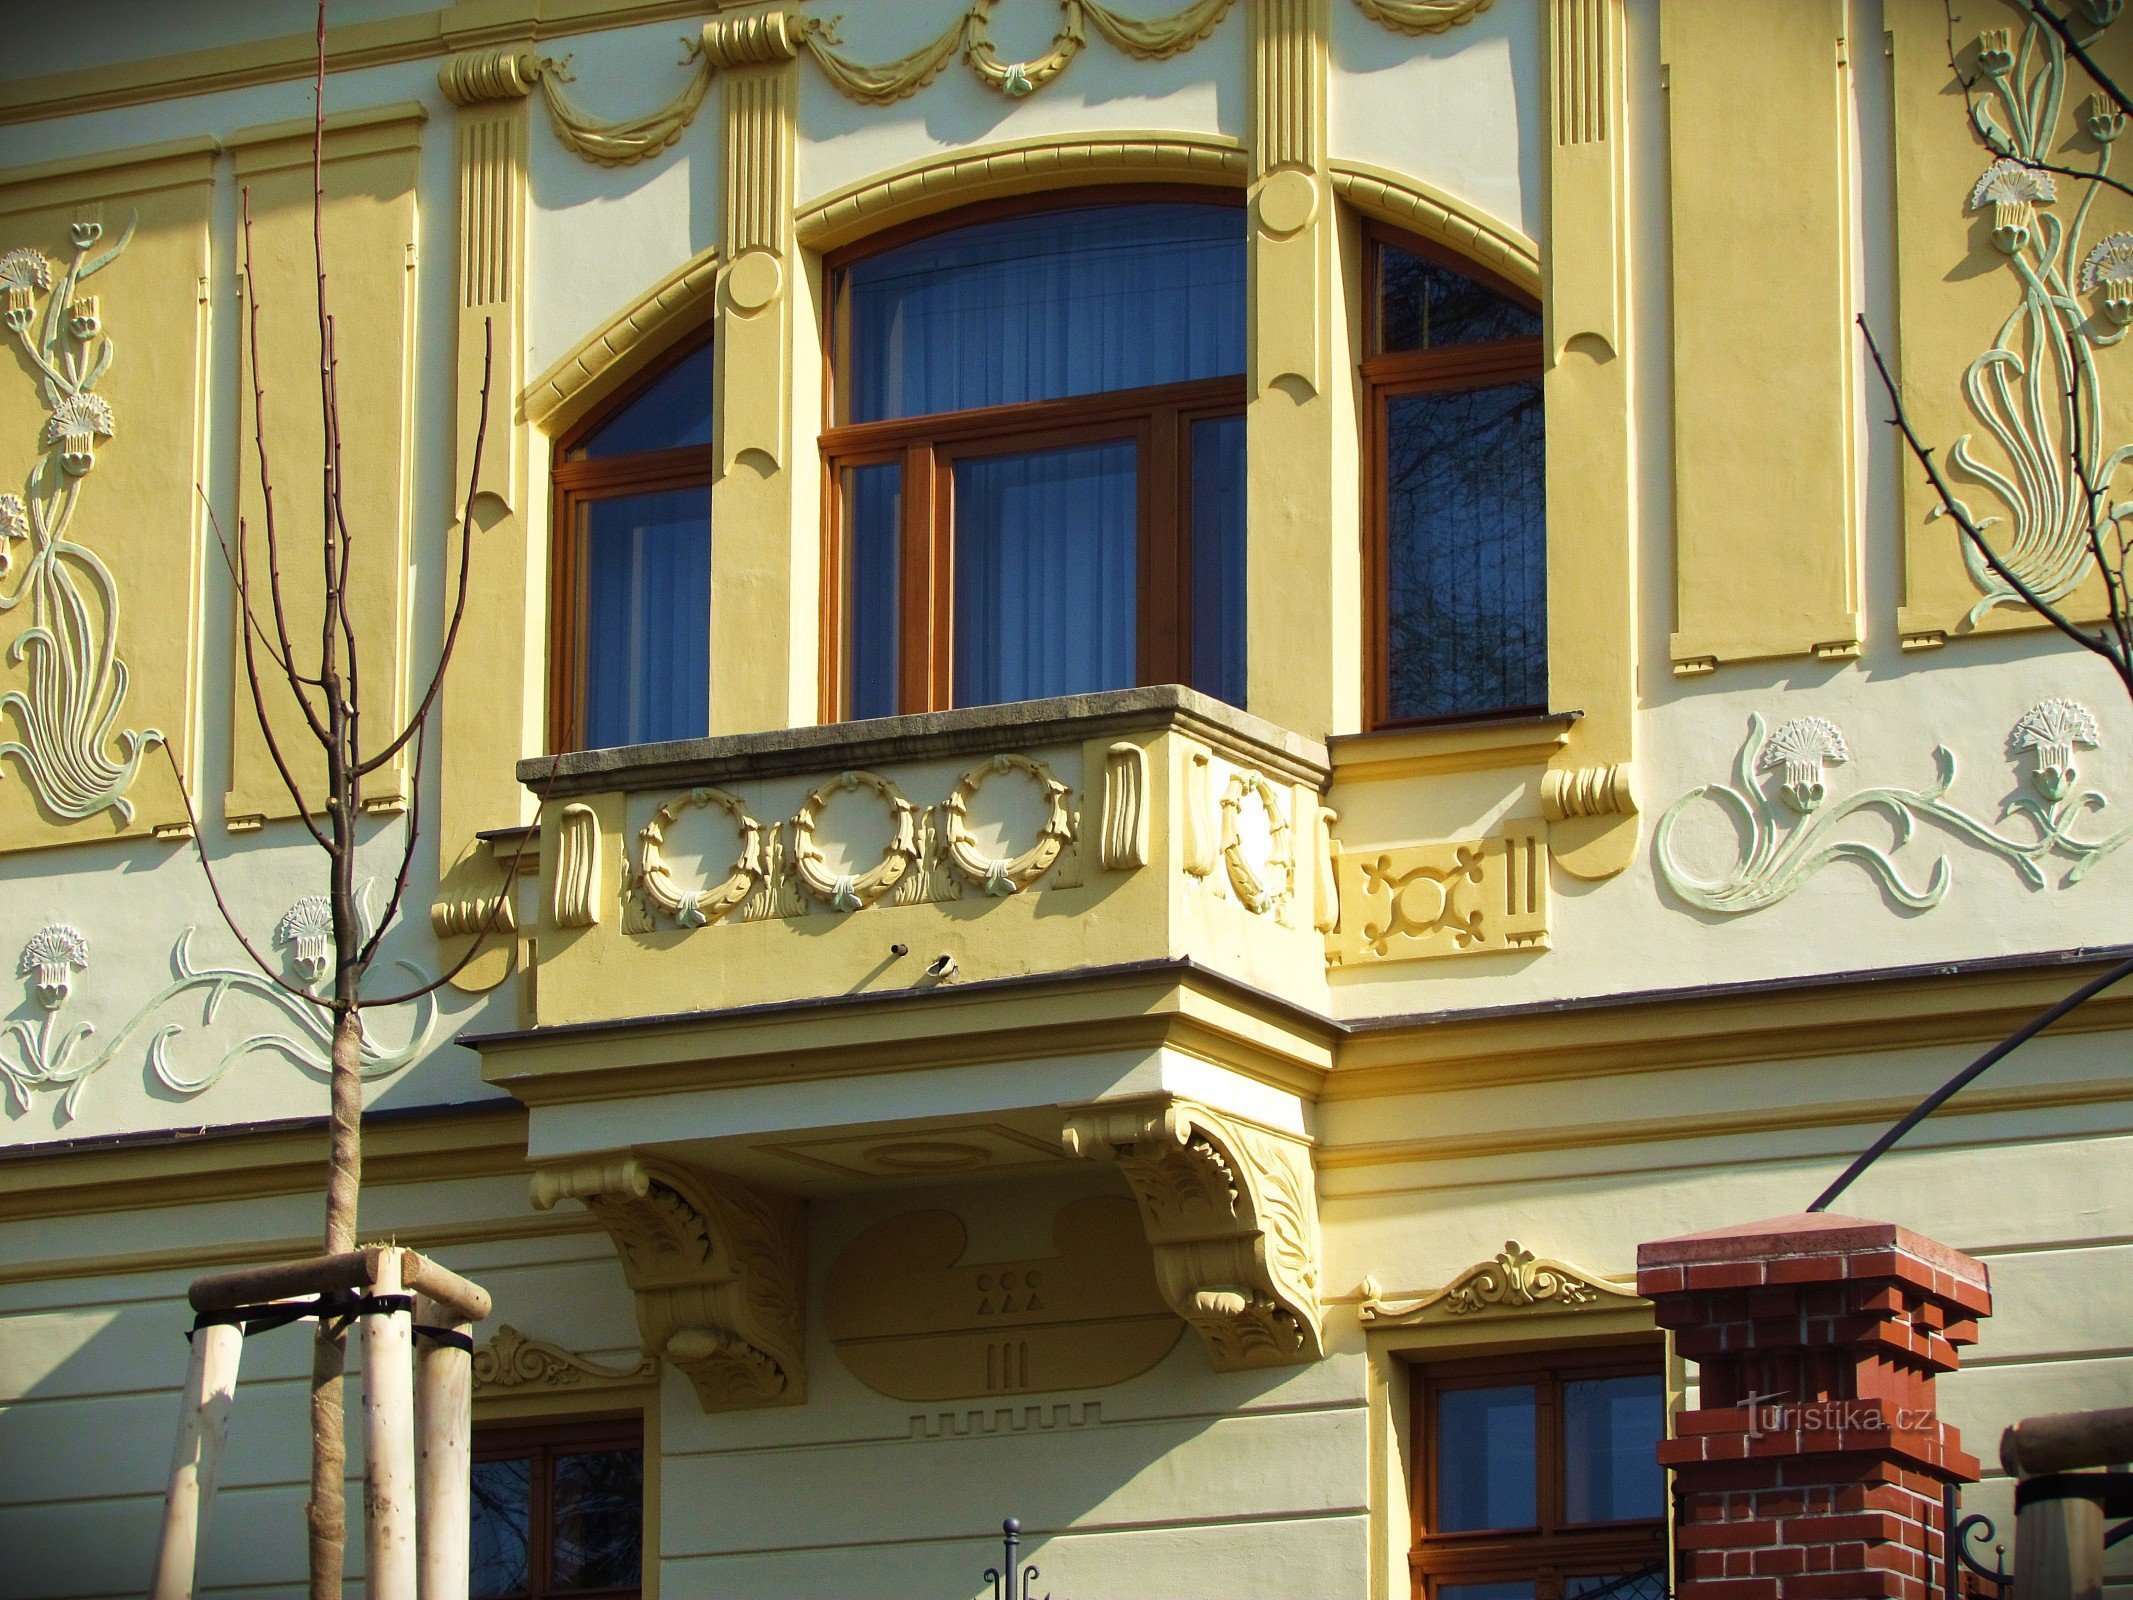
x=559 y=1510
x=1538 y=1478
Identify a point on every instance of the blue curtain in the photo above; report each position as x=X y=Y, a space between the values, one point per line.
x=873 y=520
x=1072 y=302
x=1218 y=617
x=1045 y=552
x=648 y=618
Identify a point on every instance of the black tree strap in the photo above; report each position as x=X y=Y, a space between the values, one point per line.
x=2112 y=1491
x=450 y=1338
x=337 y=1305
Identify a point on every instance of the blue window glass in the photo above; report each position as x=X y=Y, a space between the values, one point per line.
x=1466 y=570
x=1045 y=555
x=672 y=413
x=1487 y=1458
x=1423 y=305
x=1218 y=601
x=1079 y=301
x=647 y=617
x=873 y=528
x=1610 y=1467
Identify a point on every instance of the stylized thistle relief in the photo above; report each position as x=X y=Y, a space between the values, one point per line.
x=2037 y=389
x=66 y=741
x=49 y=1052
x=1777 y=857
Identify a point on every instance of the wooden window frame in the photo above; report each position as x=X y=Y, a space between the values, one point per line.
x=1159 y=419
x=1389 y=375
x=1551 y=1550
x=578 y=484
x=543 y=1442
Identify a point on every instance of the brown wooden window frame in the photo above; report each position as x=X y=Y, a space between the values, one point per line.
x=1552 y=1549
x=1159 y=419
x=577 y=484
x=1388 y=375
x=543 y=1441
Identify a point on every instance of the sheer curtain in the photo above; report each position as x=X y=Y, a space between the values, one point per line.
x=1045 y=551
x=647 y=617
x=873 y=526
x=1073 y=302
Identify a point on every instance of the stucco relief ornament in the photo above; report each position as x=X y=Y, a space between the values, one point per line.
x=1775 y=859
x=2037 y=390
x=1798 y=752
x=306 y=930
x=48 y=1054
x=68 y=743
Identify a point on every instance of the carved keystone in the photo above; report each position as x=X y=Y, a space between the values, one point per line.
x=1232 y=1213
x=718 y=1269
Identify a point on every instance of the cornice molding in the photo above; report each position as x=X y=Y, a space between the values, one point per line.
x=607 y=356
x=1409 y=203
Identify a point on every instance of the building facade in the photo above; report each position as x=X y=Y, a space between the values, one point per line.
x=1178 y=709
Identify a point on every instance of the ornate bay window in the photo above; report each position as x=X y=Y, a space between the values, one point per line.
x=1455 y=515
x=1035 y=456
x=631 y=653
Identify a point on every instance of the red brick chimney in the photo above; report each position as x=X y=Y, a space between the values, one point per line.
x=1814 y=1466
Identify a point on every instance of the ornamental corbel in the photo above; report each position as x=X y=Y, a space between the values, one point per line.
x=1231 y=1211
x=717 y=1266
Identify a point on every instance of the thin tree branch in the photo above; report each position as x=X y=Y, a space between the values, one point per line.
x=237 y=578
x=271 y=973
x=2079 y=51
x=1953 y=508
x=407 y=860
x=466 y=562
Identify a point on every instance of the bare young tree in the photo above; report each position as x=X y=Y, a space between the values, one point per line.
x=322 y=684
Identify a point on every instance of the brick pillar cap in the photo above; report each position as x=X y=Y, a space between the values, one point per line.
x=1814 y=1234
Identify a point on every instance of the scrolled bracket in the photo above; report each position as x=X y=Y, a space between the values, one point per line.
x=695 y=908
x=717 y=1266
x=1231 y=1211
x=1006 y=875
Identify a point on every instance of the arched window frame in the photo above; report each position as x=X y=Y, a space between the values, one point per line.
x=577 y=483
x=927 y=446
x=1386 y=375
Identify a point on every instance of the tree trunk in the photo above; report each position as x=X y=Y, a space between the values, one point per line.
x=327 y=1515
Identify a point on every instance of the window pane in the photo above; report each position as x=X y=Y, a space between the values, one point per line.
x=1045 y=551
x=1646 y=1583
x=1466 y=557
x=1521 y=1590
x=647 y=618
x=1069 y=302
x=1611 y=1433
x=675 y=411
x=1487 y=1472
x=599 y=1520
x=873 y=519
x=1218 y=558
x=1424 y=306
x=498 y=1552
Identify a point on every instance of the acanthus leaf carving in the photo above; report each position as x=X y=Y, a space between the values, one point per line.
x=717 y=1267
x=1231 y=1211
x=508 y=1360
x=1516 y=1280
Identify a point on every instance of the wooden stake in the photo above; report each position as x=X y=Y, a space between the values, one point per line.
x=210 y=1385
x=2059 y=1550
x=389 y=1441
x=444 y=1461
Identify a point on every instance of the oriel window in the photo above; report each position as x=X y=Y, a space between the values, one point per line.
x=1035 y=457
x=631 y=587
x=559 y=1510
x=1538 y=1478
x=1457 y=611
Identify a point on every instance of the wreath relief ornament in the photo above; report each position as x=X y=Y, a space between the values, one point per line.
x=846 y=891
x=695 y=908
x=1009 y=875
x=67 y=742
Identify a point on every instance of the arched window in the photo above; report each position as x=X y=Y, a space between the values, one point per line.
x=1455 y=512
x=631 y=595
x=1036 y=457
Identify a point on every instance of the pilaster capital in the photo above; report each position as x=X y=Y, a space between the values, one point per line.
x=1231 y=1210
x=481 y=77
x=761 y=36
x=718 y=1268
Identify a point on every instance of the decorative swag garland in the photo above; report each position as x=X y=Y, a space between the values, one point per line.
x=621 y=143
